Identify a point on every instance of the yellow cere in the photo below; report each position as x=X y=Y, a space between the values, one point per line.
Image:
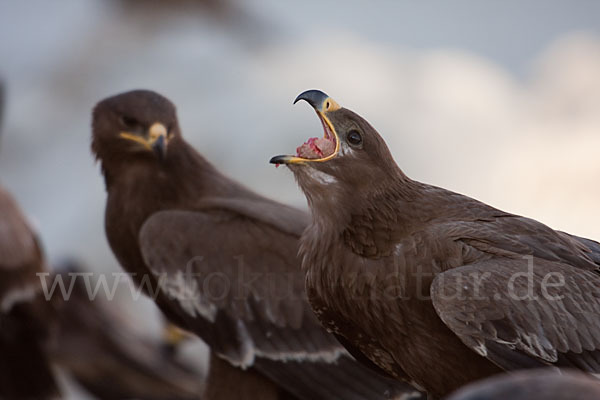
x=330 y=105
x=156 y=130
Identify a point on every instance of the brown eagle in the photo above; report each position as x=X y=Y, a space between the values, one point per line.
x=219 y=260
x=432 y=286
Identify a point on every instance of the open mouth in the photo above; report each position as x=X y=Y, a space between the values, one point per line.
x=316 y=149
x=319 y=148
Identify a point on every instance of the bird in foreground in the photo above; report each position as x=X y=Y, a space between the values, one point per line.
x=432 y=286
x=219 y=260
x=93 y=343
x=25 y=370
x=532 y=384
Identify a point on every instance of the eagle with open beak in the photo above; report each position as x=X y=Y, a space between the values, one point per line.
x=429 y=285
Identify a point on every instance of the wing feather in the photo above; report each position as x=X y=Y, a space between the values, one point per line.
x=516 y=311
x=226 y=263
x=240 y=275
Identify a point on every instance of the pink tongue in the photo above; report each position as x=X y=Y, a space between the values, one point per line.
x=316 y=148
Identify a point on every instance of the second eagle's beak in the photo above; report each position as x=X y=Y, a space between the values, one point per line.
x=157 y=139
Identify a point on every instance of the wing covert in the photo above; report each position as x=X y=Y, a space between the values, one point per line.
x=523 y=312
x=221 y=265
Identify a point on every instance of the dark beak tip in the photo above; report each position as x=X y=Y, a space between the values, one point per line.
x=276 y=160
x=313 y=97
x=160 y=148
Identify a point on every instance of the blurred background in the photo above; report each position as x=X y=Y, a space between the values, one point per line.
x=496 y=100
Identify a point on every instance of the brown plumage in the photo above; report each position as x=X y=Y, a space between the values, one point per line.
x=430 y=285
x=225 y=259
x=25 y=371
x=532 y=384
x=95 y=346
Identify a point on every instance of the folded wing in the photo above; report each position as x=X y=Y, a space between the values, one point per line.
x=237 y=274
x=523 y=312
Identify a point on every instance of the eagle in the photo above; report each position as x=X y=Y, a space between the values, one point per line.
x=219 y=260
x=432 y=286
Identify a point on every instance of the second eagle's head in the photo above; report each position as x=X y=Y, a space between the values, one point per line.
x=133 y=126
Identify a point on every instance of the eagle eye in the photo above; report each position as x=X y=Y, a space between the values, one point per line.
x=354 y=137
x=129 y=122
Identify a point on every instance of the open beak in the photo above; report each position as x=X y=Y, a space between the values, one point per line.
x=155 y=141
x=320 y=149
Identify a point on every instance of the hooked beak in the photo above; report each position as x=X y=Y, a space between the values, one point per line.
x=156 y=140
x=322 y=104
